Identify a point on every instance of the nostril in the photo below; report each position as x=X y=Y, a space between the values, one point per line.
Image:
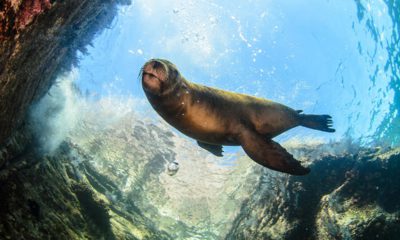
x=157 y=64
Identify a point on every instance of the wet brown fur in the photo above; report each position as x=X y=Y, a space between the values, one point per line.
x=220 y=117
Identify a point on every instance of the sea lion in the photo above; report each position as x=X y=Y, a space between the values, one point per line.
x=216 y=117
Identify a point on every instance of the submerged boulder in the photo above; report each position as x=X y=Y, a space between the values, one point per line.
x=366 y=205
x=350 y=196
x=56 y=197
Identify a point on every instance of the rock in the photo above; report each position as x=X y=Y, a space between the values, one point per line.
x=38 y=41
x=353 y=196
x=58 y=205
x=109 y=179
x=187 y=204
x=365 y=205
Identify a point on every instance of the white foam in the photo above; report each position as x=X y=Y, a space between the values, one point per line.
x=56 y=113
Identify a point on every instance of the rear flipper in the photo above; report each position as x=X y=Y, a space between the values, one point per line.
x=318 y=122
x=269 y=153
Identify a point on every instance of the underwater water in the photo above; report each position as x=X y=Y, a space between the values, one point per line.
x=340 y=58
x=337 y=58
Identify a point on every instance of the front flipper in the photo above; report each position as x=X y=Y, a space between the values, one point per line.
x=270 y=154
x=214 y=149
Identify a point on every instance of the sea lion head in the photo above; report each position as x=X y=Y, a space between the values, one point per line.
x=159 y=77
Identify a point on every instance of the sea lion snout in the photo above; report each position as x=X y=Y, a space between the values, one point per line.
x=160 y=76
x=154 y=74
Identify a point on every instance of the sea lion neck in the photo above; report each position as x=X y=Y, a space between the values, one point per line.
x=176 y=89
x=172 y=103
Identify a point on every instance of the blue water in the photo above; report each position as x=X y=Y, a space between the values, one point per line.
x=330 y=57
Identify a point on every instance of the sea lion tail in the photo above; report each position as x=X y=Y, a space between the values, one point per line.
x=318 y=122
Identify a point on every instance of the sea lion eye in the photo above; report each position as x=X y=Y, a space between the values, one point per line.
x=157 y=64
x=176 y=73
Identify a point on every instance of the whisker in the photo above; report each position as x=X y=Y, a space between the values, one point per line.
x=140 y=75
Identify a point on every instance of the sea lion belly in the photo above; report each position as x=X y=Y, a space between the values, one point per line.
x=202 y=124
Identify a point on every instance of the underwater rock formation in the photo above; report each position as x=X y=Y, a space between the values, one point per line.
x=38 y=40
x=349 y=196
x=47 y=198
x=108 y=179
x=134 y=155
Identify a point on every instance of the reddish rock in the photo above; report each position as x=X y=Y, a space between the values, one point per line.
x=29 y=10
x=39 y=40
